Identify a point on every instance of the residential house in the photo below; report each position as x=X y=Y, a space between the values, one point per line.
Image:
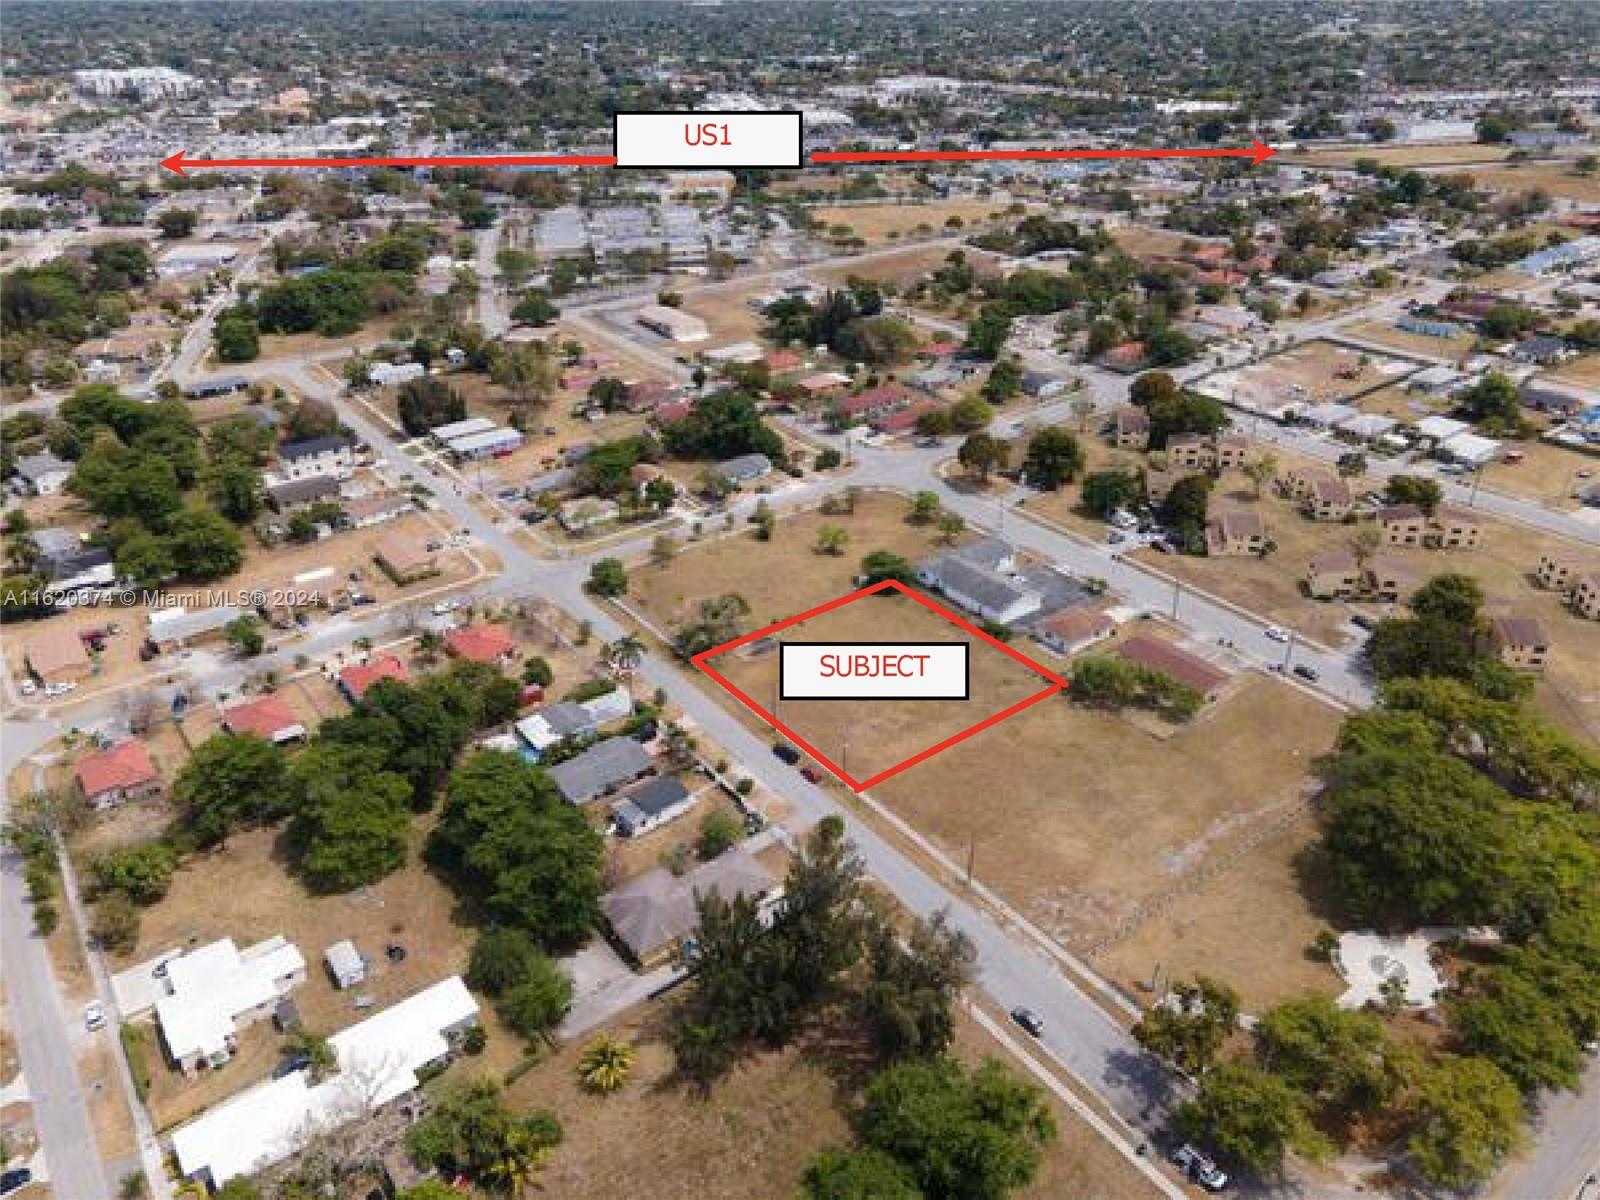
x=333 y=454
x=491 y=443
x=1402 y=524
x=169 y=628
x=43 y=474
x=556 y=723
x=1074 y=629
x=366 y=511
x=875 y=403
x=489 y=644
x=405 y=557
x=976 y=578
x=377 y=1062
x=1174 y=662
x=1235 y=532
x=58 y=656
x=651 y=805
x=266 y=717
x=1191 y=451
x=601 y=769
x=217 y=989
x=357 y=678
x=1159 y=482
x=672 y=323
x=744 y=468
x=579 y=516
x=1520 y=642
x=1131 y=429
x=1540 y=348
x=1389 y=579
x=290 y=494
x=1333 y=577
x=646 y=395
x=69 y=562
x=1232 y=451
x=1298 y=481
x=1585 y=598
x=653 y=915
x=1559 y=571
x=107 y=778
x=1454 y=529
x=1328 y=500
x=384 y=374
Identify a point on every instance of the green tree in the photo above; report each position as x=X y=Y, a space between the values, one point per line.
x=832 y=539
x=1004 y=382
x=535 y=1006
x=924 y=508
x=1343 y=1059
x=238 y=337
x=529 y=859
x=982 y=454
x=963 y=1136
x=1468 y=1122
x=244 y=635
x=1053 y=458
x=719 y=832
x=605 y=1064
x=204 y=544
x=914 y=984
x=350 y=820
x=608 y=577
x=1190 y=1024
x=230 y=781
x=883 y=564
x=1426 y=494
x=1104 y=492
x=142 y=872
x=1251 y=1116
x=857 y=1175
x=502 y=957
x=1508 y=1019
x=1185 y=509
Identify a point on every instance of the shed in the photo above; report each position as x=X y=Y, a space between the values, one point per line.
x=345 y=965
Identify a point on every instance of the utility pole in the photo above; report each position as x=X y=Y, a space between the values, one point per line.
x=1288 y=650
x=972 y=851
x=1177 y=590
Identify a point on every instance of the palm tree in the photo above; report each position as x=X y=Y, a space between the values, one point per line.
x=624 y=654
x=606 y=1064
x=516 y=1167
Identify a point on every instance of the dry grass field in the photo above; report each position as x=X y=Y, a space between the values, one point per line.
x=752 y=1135
x=1584 y=370
x=1386 y=333
x=1546 y=473
x=1310 y=373
x=1088 y=821
x=784 y=576
x=878 y=224
x=899 y=270
x=865 y=737
x=1559 y=179
x=1399 y=156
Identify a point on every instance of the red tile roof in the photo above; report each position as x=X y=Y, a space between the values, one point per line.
x=125 y=765
x=358 y=677
x=265 y=717
x=905 y=418
x=479 y=643
x=677 y=410
x=782 y=360
x=1173 y=661
x=939 y=349
x=876 y=400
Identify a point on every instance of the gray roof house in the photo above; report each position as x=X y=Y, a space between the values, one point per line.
x=652 y=914
x=292 y=493
x=602 y=768
x=45 y=474
x=744 y=468
x=650 y=805
x=974 y=577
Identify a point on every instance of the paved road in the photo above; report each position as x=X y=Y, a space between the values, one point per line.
x=47 y=1034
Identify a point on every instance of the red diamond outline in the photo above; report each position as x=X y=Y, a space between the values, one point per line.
x=702 y=661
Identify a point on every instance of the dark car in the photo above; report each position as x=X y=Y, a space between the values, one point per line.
x=786 y=753
x=295 y=1062
x=1029 y=1020
x=809 y=774
x=1362 y=621
x=15 y=1180
x=1309 y=674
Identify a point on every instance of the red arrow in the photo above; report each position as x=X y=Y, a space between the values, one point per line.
x=183 y=166
x=1255 y=152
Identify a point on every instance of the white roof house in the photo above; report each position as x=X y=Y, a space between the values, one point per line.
x=209 y=990
x=1440 y=428
x=447 y=433
x=1329 y=416
x=1368 y=425
x=378 y=1060
x=1470 y=448
x=609 y=706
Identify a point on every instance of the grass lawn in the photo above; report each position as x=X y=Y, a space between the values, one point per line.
x=1561 y=180
x=875 y=223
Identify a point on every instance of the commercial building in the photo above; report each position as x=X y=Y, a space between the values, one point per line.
x=672 y=323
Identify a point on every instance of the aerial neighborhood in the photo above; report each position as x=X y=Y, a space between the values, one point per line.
x=419 y=518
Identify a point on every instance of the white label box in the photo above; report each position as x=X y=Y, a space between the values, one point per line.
x=873 y=671
x=709 y=141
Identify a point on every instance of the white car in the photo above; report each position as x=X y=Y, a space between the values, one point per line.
x=1276 y=633
x=27 y=687
x=59 y=689
x=448 y=605
x=94 y=1016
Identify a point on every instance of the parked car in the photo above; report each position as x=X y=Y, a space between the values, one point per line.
x=786 y=753
x=94 y=1016
x=809 y=774
x=1309 y=673
x=15 y=1180
x=447 y=605
x=1029 y=1020
x=1362 y=621
x=1200 y=1168
x=1276 y=633
x=291 y=1064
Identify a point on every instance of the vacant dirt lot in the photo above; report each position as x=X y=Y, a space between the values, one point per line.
x=897 y=270
x=866 y=737
x=1087 y=821
x=1310 y=374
